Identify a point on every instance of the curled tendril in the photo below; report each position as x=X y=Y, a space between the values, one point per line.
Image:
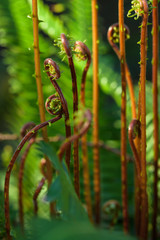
x=112 y=207
x=54 y=74
x=136 y=9
x=113 y=39
x=113 y=33
x=53 y=105
x=60 y=43
x=82 y=51
x=52 y=69
x=133 y=132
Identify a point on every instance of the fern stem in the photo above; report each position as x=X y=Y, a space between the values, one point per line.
x=75 y=109
x=123 y=117
x=96 y=167
x=85 y=54
x=155 y=51
x=37 y=66
x=143 y=50
x=127 y=71
x=36 y=194
x=39 y=83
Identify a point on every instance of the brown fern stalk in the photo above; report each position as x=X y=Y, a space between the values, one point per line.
x=143 y=50
x=123 y=118
x=83 y=53
x=112 y=41
x=133 y=132
x=50 y=66
x=37 y=66
x=68 y=51
x=96 y=167
x=39 y=84
x=10 y=167
x=155 y=51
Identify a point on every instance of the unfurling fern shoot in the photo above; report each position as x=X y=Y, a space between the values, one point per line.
x=83 y=53
x=53 y=72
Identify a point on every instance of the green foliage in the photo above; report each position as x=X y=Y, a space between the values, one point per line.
x=60 y=230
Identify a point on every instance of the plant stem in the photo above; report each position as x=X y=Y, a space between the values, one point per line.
x=96 y=167
x=36 y=194
x=37 y=67
x=143 y=50
x=127 y=71
x=86 y=178
x=75 y=109
x=155 y=51
x=123 y=117
x=10 y=167
x=39 y=85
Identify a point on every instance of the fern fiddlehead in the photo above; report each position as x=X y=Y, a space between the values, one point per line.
x=113 y=39
x=83 y=53
x=68 y=51
x=53 y=73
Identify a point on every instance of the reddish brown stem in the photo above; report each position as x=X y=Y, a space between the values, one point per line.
x=155 y=51
x=36 y=194
x=75 y=109
x=10 y=167
x=143 y=50
x=83 y=54
x=48 y=63
x=84 y=126
x=96 y=167
x=123 y=117
x=133 y=131
x=127 y=71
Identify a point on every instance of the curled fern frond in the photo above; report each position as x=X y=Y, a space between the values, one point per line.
x=53 y=105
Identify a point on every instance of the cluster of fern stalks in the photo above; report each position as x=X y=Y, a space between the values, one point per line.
x=56 y=105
